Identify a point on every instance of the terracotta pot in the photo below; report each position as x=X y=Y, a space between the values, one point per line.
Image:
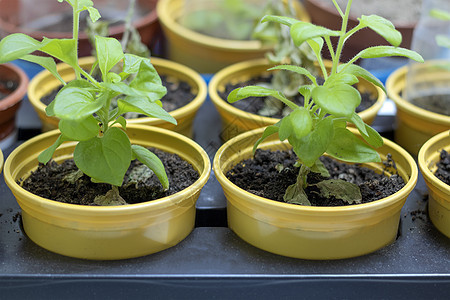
x=416 y=125
x=310 y=232
x=10 y=104
x=236 y=121
x=203 y=53
x=113 y=232
x=12 y=20
x=43 y=83
x=439 y=192
x=326 y=15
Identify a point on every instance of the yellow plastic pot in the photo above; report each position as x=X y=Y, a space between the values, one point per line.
x=439 y=192
x=204 y=53
x=236 y=121
x=415 y=125
x=311 y=232
x=44 y=82
x=114 y=232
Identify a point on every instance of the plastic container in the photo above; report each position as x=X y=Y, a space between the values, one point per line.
x=115 y=232
x=439 y=192
x=311 y=232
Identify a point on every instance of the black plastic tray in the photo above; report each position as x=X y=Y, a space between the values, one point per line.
x=214 y=262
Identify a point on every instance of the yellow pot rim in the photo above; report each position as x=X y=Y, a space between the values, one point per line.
x=225 y=73
x=166 y=17
x=178 y=113
x=324 y=211
x=111 y=210
x=395 y=84
x=425 y=168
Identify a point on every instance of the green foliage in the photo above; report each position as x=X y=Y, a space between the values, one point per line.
x=103 y=151
x=320 y=125
x=442 y=40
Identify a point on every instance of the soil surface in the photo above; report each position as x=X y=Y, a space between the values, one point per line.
x=398 y=12
x=255 y=104
x=6 y=88
x=179 y=94
x=435 y=103
x=47 y=181
x=260 y=176
x=443 y=168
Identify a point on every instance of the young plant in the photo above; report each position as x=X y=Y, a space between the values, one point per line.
x=284 y=52
x=103 y=151
x=319 y=125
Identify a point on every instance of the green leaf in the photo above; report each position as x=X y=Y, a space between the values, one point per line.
x=359 y=123
x=301 y=122
x=316 y=45
x=147 y=79
x=79 y=130
x=62 y=49
x=105 y=159
x=340 y=79
x=362 y=73
x=75 y=104
x=295 y=69
x=280 y=19
x=312 y=146
x=258 y=91
x=372 y=137
x=143 y=106
x=46 y=62
x=338 y=100
x=272 y=129
x=132 y=63
x=109 y=53
x=383 y=27
x=45 y=156
x=347 y=147
x=17 y=45
x=285 y=129
x=443 y=41
x=383 y=51
x=440 y=14
x=306 y=90
x=340 y=189
x=303 y=31
x=296 y=195
x=152 y=161
x=320 y=168
x=93 y=14
x=122 y=121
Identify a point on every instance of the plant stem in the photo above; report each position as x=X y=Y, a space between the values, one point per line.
x=341 y=38
x=126 y=33
x=76 y=25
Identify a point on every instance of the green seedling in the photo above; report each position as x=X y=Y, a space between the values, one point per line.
x=103 y=151
x=320 y=125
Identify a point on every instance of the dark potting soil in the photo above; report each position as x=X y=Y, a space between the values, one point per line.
x=7 y=87
x=260 y=176
x=443 y=167
x=435 y=103
x=255 y=104
x=179 y=94
x=47 y=181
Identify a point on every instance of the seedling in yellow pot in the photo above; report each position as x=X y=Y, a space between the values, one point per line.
x=319 y=125
x=103 y=151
